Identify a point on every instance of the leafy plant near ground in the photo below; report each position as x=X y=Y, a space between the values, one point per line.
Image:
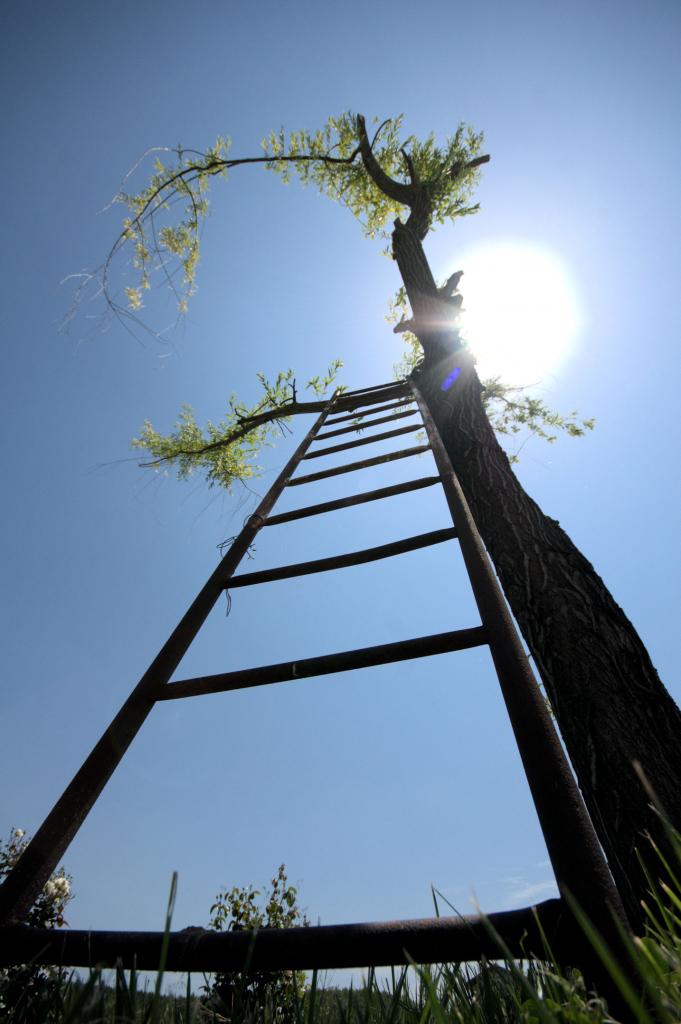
x=507 y=991
x=25 y=987
x=257 y=994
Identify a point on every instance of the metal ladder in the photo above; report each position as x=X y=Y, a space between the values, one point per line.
x=576 y=857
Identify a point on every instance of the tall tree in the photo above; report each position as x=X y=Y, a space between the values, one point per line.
x=611 y=707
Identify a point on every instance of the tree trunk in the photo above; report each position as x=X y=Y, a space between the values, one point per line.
x=610 y=705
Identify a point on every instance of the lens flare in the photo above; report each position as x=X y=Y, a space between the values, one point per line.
x=520 y=311
x=450 y=378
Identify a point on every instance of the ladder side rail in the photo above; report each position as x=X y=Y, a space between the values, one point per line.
x=52 y=839
x=576 y=856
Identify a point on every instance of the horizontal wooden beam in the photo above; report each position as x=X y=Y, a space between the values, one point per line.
x=365 y=426
x=371 y=412
x=354 y=499
x=396 y=547
x=364 y=464
x=411 y=429
x=326 y=664
x=385 y=943
x=389 y=385
x=386 y=394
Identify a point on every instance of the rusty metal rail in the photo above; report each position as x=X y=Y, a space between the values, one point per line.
x=577 y=859
x=384 y=943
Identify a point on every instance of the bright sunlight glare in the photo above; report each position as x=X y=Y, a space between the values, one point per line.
x=520 y=311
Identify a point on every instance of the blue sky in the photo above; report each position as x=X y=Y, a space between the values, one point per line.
x=372 y=785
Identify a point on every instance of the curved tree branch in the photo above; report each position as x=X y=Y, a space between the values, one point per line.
x=458 y=169
x=403 y=194
x=379 y=130
x=190 y=173
x=411 y=170
x=218 y=166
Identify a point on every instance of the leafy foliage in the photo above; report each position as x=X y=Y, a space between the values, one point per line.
x=163 y=228
x=48 y=909
x=164 y=219
x=510 y=411
x=258 y=995
x=349 y=183
x=174 y=245
x=226 y=450
x=398 y=309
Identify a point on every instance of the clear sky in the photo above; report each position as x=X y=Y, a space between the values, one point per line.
x=373 y=785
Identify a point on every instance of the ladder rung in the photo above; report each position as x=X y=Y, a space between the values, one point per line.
x=364 y=464
x=370 y=412
x=371 y=399
x=355 y=499
x=363 y=440
x=376 y=387
x=365 y=426
x=343 y=661
x=397 y=547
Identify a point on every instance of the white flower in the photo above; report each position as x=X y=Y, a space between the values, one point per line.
x=57 y=889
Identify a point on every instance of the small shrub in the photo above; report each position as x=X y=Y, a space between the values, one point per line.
x=257 y=995
x=27 y=991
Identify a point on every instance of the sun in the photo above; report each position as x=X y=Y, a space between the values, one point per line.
x=520 y=311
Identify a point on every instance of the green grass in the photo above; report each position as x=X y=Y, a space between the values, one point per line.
x=489 y=992
x=497 y=992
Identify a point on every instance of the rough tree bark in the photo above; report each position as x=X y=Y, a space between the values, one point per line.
x=610 y=705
